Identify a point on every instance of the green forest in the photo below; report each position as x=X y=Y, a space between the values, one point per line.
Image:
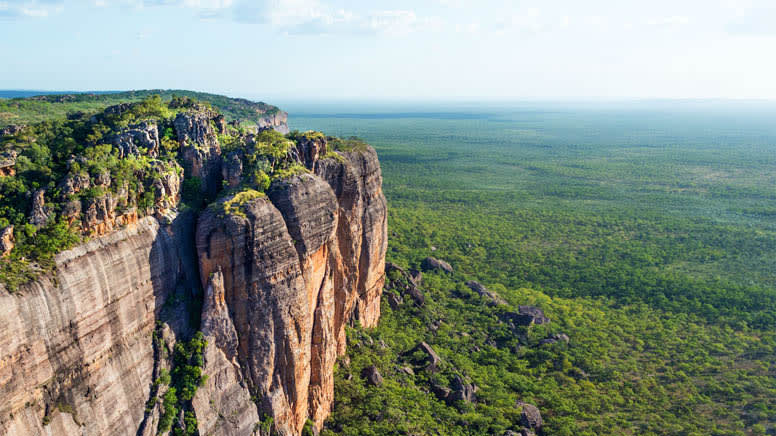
x=33 y=109
x=648 y=238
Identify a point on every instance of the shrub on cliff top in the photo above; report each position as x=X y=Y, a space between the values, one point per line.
x=233 y=206
x=352 y=143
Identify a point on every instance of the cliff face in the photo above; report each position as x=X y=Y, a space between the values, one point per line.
x=81 y=344
x=280 y=276
x=295 y=268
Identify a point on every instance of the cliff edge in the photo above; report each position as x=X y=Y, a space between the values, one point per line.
x=287 y=249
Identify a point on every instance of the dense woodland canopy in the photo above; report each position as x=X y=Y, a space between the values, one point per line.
x=647 y=238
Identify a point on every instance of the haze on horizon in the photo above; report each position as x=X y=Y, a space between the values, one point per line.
x=319 y=49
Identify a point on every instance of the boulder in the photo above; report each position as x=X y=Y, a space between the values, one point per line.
x=530 y=416
x=434 y=264
x=557 y=337
x=372 y=376
x=10 y=130
x=528 y=315
x=39 y=212
x=432 y=359
x=416 y=276
x=6 y=241
x=462 y=390
x=74 y=183
x=416 y=295
x=492 y=297
x=443 y=393
x=7 y=163
x=394 y=300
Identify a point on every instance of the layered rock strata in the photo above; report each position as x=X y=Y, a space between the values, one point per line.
x=75 y=350
x=294 y=269
x=280 y=276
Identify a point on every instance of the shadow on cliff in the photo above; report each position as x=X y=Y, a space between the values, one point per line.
x=177 y=295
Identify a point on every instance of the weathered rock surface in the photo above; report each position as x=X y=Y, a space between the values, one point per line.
x=223 y=405
x=84 y=341
x=434 y=264
x=530 y=416
x=362 y=238
x=297 y=267
x=11 y=130
x=431 y=360
x=528 y=315
x=492 y=297
x=7 y=162
x=280 y=281
x=200 y=149
x=74 y=183
x=404 y=282
x=141 y=138
x=277 y=121
x=232 y=169
x=556 y=337
x=6 y=241
x=39 y=212
x=372 y=376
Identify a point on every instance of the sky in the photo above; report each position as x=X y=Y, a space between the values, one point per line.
x=394 y=50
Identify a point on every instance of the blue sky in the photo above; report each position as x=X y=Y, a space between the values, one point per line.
x=422 y=49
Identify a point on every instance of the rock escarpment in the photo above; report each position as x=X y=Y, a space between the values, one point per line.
x=295 y=267
x=280 y=275
x=75 y=350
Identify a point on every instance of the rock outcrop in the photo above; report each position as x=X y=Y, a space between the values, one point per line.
x=372 y=376
x=492 y=297
x=296 y=267
x=7 y=163
x=131 y=140
x=200 y=149
x=76 y=352
x=277 y=121
x=6 y=241
x=280 y=275
x=529 y=315
x=39 y=212
x=434 y=264
x=530 y=416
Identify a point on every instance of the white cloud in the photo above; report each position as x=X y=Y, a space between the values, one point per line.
x=308 y=17
x=671 y=21
x=757 y=20
x=526 y=21
x=297 y=17
x=30 y=8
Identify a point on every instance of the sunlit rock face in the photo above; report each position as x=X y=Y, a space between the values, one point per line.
x=279 y=282
x=82 y=342
x=297 y=266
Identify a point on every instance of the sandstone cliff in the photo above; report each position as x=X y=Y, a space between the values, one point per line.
x=75 y=350
x=279 y=277
x=294 y=268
